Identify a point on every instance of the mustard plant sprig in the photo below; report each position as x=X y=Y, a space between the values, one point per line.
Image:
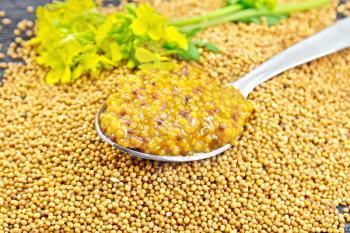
x=74 y=38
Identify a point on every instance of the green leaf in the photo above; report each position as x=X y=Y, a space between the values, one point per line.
x=231 y=2
x=270 y=19
x=275 y=19
x=170 y=46
x=143 y=55
x=191 y=54
x=130 y=8
x=207 y=45
x=193 y=32
x=258 y=4
x=253 y=19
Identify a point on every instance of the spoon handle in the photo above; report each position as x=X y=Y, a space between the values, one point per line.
x=330 y=40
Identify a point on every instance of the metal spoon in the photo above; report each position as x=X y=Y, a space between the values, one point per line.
x=330 y=40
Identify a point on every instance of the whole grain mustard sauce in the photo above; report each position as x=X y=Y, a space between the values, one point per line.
x=177 y=112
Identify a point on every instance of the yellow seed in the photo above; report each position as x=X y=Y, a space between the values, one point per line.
x=30 y=9
x=6 y=21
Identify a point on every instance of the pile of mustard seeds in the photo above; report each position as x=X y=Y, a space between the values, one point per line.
x=288 y=173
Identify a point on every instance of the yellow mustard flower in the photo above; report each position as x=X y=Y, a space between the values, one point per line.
x=174 y=36
x=149 y=22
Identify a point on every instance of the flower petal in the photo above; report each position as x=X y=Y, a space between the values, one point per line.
x=144 y=55
x=144 y=11
x=157 y=32
x=173 y=35
x=67 y=75
x=54 y=75
x=139 y=27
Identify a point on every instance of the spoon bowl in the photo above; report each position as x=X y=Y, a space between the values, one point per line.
x=330 y=40
x=162 y=158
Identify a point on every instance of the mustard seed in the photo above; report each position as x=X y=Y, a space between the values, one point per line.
x=21 y=25
x=30 y=9
x=17 y=32
x=6 y=21
x=29 y=33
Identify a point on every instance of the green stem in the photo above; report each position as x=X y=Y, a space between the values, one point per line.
x=211 y=15
x=280 y=9
x=304 y=6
